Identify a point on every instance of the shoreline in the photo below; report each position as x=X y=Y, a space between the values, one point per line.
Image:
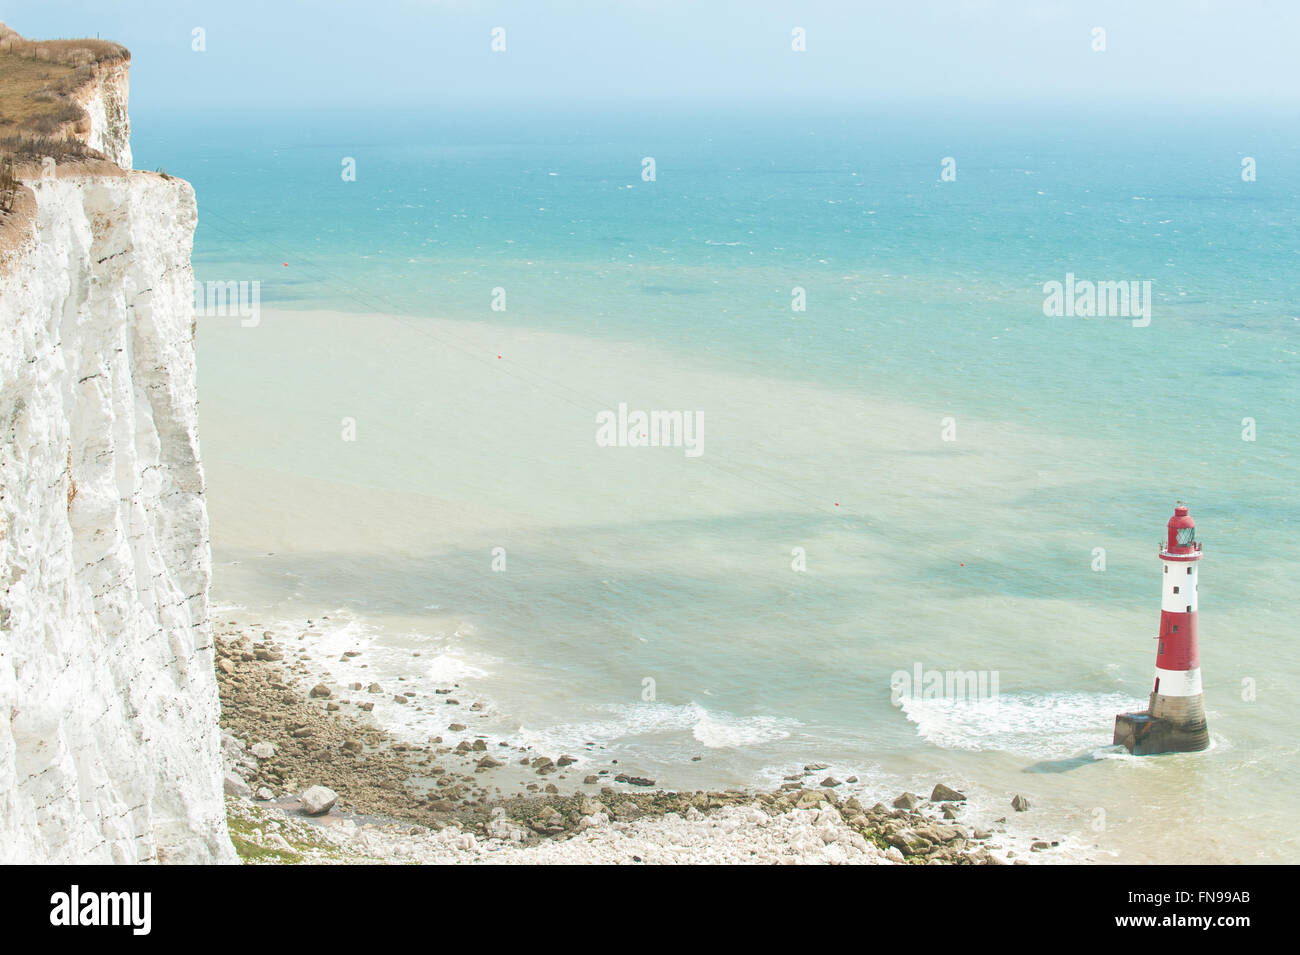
x=285 y=731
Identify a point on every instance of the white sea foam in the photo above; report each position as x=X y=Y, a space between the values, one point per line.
x=720 y=731
x=451 y=666
x=340 y=633
x=390 y=660
x=618 y=722
x=1040 y=725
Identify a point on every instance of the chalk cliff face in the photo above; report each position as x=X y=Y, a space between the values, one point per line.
x=105 y=103
x=109 y=746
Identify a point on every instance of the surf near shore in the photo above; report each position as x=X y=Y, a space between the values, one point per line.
x=310 y=777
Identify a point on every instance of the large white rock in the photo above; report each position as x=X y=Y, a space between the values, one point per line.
x=318 y=800
x=109 y=747
x=233 y=784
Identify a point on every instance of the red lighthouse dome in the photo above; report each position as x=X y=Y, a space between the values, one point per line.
x=1181 y=540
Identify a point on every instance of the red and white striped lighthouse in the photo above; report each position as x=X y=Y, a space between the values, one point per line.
x=1175 y=718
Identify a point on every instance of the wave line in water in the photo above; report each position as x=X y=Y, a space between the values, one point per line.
x=1041 y=725
x=711 y=729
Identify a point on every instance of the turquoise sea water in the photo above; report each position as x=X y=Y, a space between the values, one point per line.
x=823 y=431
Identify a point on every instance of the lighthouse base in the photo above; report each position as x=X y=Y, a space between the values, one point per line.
x=1145 y=735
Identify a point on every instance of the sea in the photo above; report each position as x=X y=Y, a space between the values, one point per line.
x=899 y=516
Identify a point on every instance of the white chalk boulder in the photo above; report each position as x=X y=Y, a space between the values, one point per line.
x=318 y=800
x=235 y=786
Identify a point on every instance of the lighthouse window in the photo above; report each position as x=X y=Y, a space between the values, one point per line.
x=1175 y=628
x=1189 y=570
x=1175 y=590
x=1186 y=535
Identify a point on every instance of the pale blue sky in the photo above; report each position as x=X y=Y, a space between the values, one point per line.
x=273 y=54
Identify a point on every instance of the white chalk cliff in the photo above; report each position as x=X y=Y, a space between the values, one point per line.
x=105 y=104
x=109 y=745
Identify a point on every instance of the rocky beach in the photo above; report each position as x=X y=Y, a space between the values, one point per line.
x=355 y=503
x=310 y=777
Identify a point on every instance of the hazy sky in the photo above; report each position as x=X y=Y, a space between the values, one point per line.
x=272 y=54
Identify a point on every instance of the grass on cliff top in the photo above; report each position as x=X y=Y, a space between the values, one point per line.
x=33 y=149
x=82 y=52
x=37 y=112
x=37 y=79
x=33 y=95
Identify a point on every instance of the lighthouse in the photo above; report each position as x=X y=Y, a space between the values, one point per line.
x=1174 y=721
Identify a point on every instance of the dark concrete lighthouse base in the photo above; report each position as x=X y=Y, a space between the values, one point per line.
x=1179 y=727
